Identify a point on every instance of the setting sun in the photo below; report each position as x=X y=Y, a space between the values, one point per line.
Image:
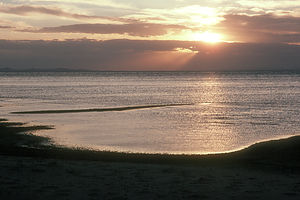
x=207 y=37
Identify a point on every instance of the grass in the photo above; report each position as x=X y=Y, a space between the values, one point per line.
x=17 y=139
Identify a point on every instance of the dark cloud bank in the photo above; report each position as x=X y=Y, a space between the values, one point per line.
x=261 y=28
x=133 y=29
x=147 y=55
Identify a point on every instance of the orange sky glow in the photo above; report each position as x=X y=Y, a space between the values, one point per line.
x=206 y=23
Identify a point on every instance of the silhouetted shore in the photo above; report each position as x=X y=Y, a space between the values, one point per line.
x=32 y=168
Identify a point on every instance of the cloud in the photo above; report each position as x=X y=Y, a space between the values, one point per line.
x=6 y=27
x=270 y=4
x=133 y=19
x=247 y=56
x=26 y=9
x=133 y=29
x=261 y=28
x=266 y=28
x=148 y=55
x=29 y=9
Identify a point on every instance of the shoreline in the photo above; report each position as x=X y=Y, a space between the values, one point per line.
x=282 y=152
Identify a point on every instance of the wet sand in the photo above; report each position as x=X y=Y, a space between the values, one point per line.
x=34 y=171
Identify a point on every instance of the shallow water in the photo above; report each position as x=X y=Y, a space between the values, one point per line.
x=220 y=112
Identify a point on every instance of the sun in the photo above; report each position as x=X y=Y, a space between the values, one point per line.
x=207 y=37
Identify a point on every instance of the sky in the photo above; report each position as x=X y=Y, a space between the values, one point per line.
x=197 y=35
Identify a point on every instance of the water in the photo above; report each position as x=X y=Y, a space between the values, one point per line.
x=227 y=111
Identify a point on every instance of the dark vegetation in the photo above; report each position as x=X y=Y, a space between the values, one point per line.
x=16 y=134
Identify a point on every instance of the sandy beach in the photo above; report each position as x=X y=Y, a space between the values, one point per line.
x=266 y=170
x=29 y=178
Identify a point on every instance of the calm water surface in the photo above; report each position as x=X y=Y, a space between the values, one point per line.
x=227 y=111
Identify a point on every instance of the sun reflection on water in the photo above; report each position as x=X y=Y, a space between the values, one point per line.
x=210 y=113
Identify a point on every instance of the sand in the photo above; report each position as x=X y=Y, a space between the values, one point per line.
x=268 y=170
x=29 y=178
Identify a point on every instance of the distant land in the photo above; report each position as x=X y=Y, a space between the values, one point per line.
x=8 y=69
x=62 y=69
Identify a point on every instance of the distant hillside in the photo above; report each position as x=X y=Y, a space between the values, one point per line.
x=8 y=69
